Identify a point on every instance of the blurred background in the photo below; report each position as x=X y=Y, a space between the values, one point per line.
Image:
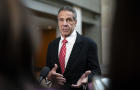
x=94 y=21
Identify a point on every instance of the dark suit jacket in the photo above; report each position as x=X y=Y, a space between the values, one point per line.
x=83 y=57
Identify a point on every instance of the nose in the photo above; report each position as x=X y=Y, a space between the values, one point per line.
x=65 y=23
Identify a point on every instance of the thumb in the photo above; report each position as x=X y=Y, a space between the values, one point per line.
x=55 y=67
x=87 y=73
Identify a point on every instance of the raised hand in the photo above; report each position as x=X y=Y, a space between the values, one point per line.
x=83 y=80
x=56 y=78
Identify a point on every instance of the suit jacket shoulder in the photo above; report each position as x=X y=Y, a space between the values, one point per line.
x=56 y=41
x=86 y=40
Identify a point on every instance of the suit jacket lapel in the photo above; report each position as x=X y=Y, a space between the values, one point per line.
x=75 y=51
x=56 y=47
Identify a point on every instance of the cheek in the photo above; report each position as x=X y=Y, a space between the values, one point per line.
x=71 y=25
x=59 y=24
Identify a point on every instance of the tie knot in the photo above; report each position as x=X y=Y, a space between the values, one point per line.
x=64 y=41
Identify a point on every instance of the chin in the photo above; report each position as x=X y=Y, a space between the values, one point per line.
x=66 y=35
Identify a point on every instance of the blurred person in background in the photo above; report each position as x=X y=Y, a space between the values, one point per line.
x=125 y=63
x=124 y=70
x=17 y=47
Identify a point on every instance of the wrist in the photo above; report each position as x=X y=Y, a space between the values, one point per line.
x=85 y=86
x=46 y=83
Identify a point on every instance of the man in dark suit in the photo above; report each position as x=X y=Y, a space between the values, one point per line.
x=79 y=53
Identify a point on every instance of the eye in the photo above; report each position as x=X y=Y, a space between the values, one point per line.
x=60 y=19
x=69 y=20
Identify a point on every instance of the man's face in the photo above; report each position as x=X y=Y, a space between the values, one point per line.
x=66 y=23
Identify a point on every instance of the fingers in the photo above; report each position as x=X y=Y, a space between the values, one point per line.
x=85 y=77
x=76 y=85
x=57 y=77
x=82 y=80
x=60 y=83
x=52 y=74
x=85 y=74
x=60 y=80
x=54 y=71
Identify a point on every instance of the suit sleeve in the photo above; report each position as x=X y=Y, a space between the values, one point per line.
x=48 y=61
x=93 y=63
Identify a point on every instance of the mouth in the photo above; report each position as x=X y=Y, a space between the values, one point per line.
x=65 y=30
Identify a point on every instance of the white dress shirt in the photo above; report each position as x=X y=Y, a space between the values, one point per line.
x=69 y=45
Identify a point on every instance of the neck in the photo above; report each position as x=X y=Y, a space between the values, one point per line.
x=64 y=37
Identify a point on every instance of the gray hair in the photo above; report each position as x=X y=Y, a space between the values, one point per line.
x=69 y=8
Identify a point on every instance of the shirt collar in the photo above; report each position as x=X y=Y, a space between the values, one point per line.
x=71 y=37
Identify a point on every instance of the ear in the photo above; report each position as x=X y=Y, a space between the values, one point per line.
x=75 y=22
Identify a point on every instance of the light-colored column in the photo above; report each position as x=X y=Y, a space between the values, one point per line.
x=107 y=17
x=57 y=32
x=79 y=20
